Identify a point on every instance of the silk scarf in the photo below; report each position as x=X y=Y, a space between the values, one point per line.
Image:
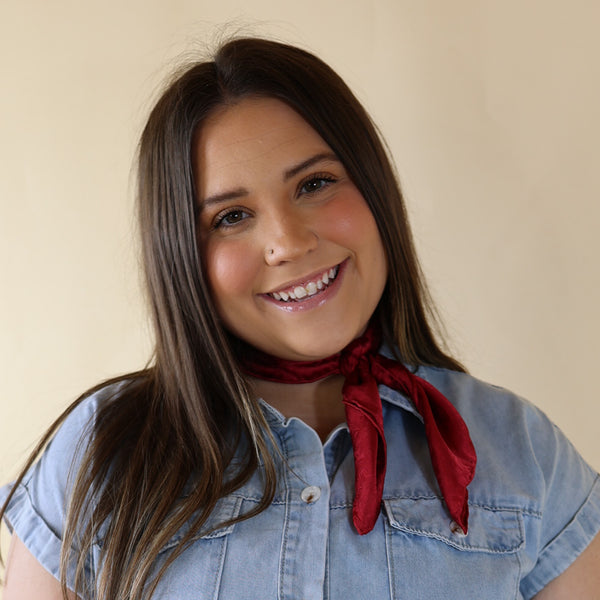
x=452 y=453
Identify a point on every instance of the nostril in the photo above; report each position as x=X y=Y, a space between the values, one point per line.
x=290 y=246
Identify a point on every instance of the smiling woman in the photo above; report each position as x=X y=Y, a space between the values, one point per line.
x=301 y=432
x=293 y=220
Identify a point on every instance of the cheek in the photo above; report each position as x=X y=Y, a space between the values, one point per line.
x=230 y=271
x=350 y=221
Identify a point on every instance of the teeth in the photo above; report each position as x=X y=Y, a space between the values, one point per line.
x=311 y=288
x=300 y=292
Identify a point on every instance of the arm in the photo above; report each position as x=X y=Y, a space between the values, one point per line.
x=581 y=581
x=26 y=579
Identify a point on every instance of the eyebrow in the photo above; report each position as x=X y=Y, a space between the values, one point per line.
x=309 y=162
x=224 y=197
x=288 y=174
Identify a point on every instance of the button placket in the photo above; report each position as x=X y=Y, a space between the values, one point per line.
x=307 y=516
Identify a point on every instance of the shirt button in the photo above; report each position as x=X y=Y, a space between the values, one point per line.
x=456 y=529
x=310 y=494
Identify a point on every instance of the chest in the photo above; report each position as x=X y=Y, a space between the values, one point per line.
x=304 y=547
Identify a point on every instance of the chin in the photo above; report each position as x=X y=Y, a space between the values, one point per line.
x=316 y=350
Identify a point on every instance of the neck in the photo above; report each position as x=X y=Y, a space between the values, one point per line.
x=318 y=404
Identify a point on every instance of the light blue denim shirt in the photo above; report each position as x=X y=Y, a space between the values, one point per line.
x=534 y=506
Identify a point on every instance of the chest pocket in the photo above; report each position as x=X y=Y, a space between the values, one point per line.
x=226 y=509
x=197 y=572
x=430 y=554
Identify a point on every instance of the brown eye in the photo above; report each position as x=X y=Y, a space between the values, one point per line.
x=314 y=184
x=231 y=218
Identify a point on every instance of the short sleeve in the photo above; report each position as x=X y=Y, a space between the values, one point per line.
x=569 y=518
x=37 y=511
x=525 y=463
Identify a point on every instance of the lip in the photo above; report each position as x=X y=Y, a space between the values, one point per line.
x=309 y=302
x=304 y=280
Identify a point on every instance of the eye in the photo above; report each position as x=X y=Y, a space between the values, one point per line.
x=315 y=183
x=230 y=218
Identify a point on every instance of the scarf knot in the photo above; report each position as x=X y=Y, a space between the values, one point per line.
x=355 y=360
x=452 y=453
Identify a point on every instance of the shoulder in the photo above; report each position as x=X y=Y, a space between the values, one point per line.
x=37 y=510
x=469 y=393
x=65 y=449
x=498 y=419
x=522 y=457
x=51 y=474
x=526 y=464
x=509 y=432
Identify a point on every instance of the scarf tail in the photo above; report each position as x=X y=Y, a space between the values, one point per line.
x=451 y=449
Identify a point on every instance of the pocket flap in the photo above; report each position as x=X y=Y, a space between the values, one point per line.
x=226 y=509
x=491 y=529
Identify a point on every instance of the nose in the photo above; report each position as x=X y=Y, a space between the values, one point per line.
x=288 y=237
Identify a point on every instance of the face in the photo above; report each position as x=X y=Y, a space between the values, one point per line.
x=292 y=253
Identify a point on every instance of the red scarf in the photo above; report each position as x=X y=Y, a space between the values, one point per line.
x=452 y=452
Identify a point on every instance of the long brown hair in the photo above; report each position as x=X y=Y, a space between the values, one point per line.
x=183 y=418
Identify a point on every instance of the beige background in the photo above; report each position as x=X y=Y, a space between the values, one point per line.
x=490 y=109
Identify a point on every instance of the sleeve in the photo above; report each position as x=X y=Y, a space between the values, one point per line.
x=37 y=511
x=569 y=516
x=525 y=462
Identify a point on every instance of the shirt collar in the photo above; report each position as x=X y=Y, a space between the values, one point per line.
x=394 y=397
x=398 y=400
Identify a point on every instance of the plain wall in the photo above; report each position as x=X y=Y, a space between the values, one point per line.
x=489 y=108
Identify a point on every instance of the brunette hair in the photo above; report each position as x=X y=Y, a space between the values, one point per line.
x=183 y=418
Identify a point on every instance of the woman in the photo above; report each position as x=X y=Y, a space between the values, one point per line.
x=256 y=457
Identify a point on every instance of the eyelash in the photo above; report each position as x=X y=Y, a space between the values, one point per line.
x=324 y=179
x=316 y=177
x=220 y=220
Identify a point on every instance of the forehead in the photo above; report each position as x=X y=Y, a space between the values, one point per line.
x=252 y=132
x=253 y=116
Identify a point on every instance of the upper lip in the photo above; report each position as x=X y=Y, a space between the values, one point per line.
x=302 y=281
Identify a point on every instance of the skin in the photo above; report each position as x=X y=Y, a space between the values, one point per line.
x=581 y=581
x=277 y=208
x=26 y=579
x=248 y=148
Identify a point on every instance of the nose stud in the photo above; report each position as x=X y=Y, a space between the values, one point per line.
x=270 y=251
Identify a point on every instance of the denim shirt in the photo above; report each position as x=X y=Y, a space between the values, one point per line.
x=534 y=506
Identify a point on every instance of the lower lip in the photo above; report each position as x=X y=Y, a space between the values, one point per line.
x=314 y=301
